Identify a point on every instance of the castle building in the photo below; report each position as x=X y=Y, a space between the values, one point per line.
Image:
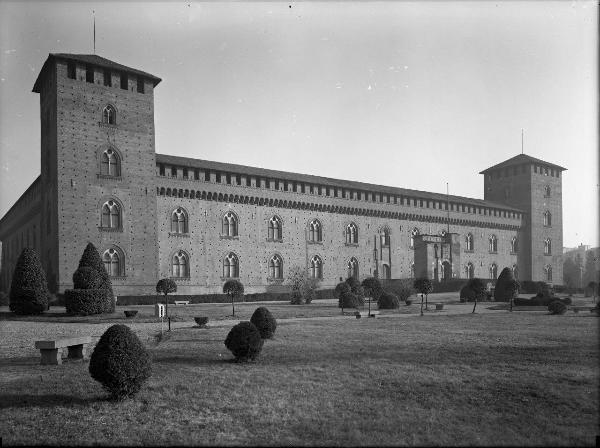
x=201 y=222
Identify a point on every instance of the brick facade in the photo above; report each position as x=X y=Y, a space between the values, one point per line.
x=71 y=191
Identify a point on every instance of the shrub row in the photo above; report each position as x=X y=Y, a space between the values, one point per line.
x=88 y=301
x=540 y=301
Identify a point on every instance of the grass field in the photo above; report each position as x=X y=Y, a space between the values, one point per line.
x=484 y=379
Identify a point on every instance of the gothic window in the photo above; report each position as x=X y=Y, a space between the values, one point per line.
x=547 y=246
x=180 y=265
x=412 y=269
x=469 y=270
x=493 y=271
x=114 y=262
x=275 y=228
x=315 y=231
x=387 y=272
x=547 y=219
x=276 y=267
x=110 y=163
x=548 y=273
x=179 y=221
x=109 y=115
x=469 y=242
x=351 y=234
x=230 y=225
x=413 y=234
x=231 y=266
x=352 y=268
x=514 y=246
x=547 y=191
x=111 y=215
x=385 y=237
x=316 y=267
x=493 y=244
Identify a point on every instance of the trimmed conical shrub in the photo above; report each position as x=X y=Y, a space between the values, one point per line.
x=265 y=322
x=28 y=290
x=507 y=287
x=91 y=258
x=244 y=341
x=120 y=362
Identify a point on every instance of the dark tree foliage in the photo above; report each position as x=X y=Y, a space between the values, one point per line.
x=264 y=321
x=388 y=301
x=341 y=288
x=478 y=288
x=557 y=307
x=349 y=300
x=244 y=341
x=28 y=290
x=235 y=290
x=120 y=362
x=87 y=277
x=466 y=295
x=424 y=287
x=91 y=258
x=166 y=286
x=372 y=287
x=507 y=287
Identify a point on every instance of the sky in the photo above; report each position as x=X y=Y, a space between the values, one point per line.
x=412 y=95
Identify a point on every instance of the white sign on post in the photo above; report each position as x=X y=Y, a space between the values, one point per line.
x=159 y=310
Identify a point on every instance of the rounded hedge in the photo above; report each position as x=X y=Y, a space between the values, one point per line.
x=340 y=289
x=264 y=321
x=244 y=341
x=349 y=300
x=28 y=289
x=120 y=362
x=466 y=294
x=557 y=307
x=388 y=301
x=84 y=302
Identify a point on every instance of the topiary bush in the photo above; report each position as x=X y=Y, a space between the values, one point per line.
x=507 y=287
x=349 y=300
x=388 y=301
x=244 y=341
x=264 y=321
x=120 y=362
x=91 y=258
x=87 y=277
x=341 y=289
x=84 y=302
x=557 y=307
x=466 y=294
x=372 y=288
x=28 y=289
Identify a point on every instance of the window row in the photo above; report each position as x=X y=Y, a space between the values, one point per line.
x=523 y=169
x=249 y=180
x=492 y=244
x=93 y=75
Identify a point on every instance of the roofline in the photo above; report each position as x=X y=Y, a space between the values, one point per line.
x=10 y=210
x=530 y=161
x=264 y=172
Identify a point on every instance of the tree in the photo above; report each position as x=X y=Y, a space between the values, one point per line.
x=507 y=287
x=589 y=271
x=341 y=289
x=91 y=258
x=570 y=274
x=303 y=287
x=579 y=270
x=372 y=288
x=28 y=290
x=478 y=287
x=423 y=287
x=234 y=289
x=166 y=286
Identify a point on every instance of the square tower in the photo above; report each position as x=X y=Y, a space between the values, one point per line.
x=534 y=186
x=97 y=169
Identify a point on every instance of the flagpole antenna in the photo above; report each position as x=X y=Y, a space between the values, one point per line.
x=94 y=14
x=521 y=140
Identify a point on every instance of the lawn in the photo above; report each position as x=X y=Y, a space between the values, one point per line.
x=484 y=379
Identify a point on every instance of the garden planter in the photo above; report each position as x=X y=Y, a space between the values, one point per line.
x=201 y=321
x=357 y=314
x=130 y=313
x=439 y=306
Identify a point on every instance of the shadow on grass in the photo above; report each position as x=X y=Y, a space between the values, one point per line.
x=45 y=401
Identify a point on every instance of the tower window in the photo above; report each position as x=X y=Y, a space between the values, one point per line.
x=315 y=231
x=107 y=78
x=547 y=191
x=493 y=244
x=276 y=267
x=180 y=265
x=89 y=73
x=109 y=115
x=231 y=267
x=548 y=273
x=493 y=271
x=111 y=215
x=71 y=70
x=274 y=230
x=352 y=268
x=114 y=262
x=351 y=234
x=547 y=246
x=111 y=165
x=547 y=219
x=140 y=84
x=316 y=267
x=229 y=226
x=469 y=242
x=124 y=81
x=179 y=221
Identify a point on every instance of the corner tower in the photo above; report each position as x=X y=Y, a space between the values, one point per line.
x=534 y=186
x=97 y=169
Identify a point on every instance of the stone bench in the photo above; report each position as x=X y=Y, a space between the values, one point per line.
x=182 y=302
x=51 y=350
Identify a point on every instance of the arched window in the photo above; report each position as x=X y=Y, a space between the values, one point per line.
x=110 y=163
x=547 y=191
x=493 y=271
x=547 y=218
x=275 y=267
x=179 y=221
x=109 y=115
x=469 y=242
x=412 y=269
x=514 y=245
x=111 y=215
x=548 y=273
x=352 y=268
x=180 y=265
x=446 y=271
x=547 y=246
x=114 y=262
x=275 y=228
x=385 y=237
x=230 y=224
x=493 y=243
x=351 y=234
x=515 y=271
x=413 y=234
x=315 y=231
x=387 y=272
x=231 y=266
x=316 y=267
x=469 y=270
